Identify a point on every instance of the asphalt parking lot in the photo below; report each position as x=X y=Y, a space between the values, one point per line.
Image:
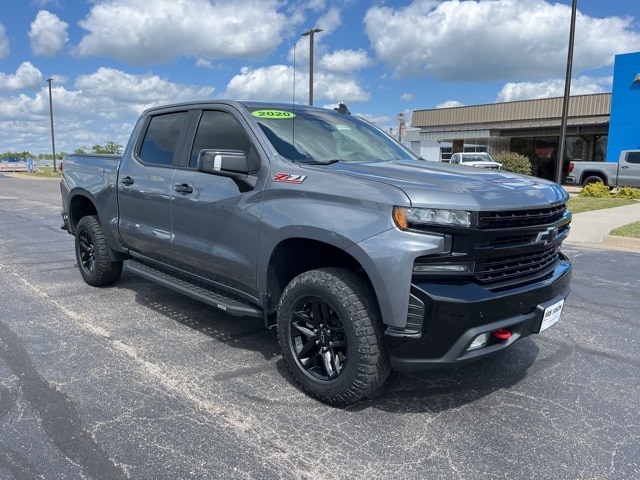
x=135 y=381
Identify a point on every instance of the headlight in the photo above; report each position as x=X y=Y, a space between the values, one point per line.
x=406 y=218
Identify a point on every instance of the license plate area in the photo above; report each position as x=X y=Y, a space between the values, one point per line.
x=551 y=315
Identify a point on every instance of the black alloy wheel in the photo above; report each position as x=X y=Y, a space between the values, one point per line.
x=318 y=339
x=87 y=255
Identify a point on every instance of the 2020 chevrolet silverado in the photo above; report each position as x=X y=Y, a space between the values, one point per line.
x=363 y=256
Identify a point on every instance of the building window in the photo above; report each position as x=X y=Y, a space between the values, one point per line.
x=475 y=149
x=600 y=149
x=576 y=149
x=445 y=154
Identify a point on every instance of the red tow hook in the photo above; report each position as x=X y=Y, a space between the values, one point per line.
x=501 y=334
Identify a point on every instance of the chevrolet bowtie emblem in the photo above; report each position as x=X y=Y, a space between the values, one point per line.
x=547 y=236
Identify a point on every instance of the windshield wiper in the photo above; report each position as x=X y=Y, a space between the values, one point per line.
x=318 y=162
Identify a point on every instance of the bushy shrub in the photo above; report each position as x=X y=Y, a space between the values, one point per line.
x=628 y=192
x=514 y=162
x=597 y=190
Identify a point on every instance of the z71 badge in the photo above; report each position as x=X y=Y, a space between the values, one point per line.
x=288 y=178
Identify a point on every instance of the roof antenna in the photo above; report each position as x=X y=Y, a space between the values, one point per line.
x=342 y=108
x=293 y=100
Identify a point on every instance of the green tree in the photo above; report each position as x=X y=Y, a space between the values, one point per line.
x=21 y=155
x=49 y=156
x=110 y=147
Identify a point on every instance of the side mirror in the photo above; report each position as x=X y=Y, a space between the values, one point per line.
x=223 y=162
x=228 y=163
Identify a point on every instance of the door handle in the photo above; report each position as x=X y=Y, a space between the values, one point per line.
x=624 y=166
x=183 y=188
x=127 y=181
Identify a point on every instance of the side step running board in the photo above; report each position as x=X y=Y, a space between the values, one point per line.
x=229 y=304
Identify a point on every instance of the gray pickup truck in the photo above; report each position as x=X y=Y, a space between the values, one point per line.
x=365 y=257
x=623 y=173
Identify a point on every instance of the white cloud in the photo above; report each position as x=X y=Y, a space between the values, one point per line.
x=553 y=88
x=27 y=77
x=48 y=34
x=330 y=21
x=339 y=88
x=489 y=40
x=101 y=107
x=271 y=83
x=406 y=97
x=118 y=90
x=4 y=42
x=317 y=5
x=345 y=61
x=276 y=83
x=157 y=31
x=450 y=104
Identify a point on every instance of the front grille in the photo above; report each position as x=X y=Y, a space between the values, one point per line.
x=509 y=247
x=521 y=218
x=507 y=268
x=503 y=241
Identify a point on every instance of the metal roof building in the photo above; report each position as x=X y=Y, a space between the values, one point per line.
x=529 y=127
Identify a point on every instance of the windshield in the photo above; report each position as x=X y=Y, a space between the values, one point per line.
x=478 y=157
x=324 y=136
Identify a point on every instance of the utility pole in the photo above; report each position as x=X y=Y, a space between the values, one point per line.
x=567 y=90
x=310 y=34
x=53 y=141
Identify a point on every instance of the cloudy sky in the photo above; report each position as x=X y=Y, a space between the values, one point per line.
x=111 y=59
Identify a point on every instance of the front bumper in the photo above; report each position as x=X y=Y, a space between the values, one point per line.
x=448 y=317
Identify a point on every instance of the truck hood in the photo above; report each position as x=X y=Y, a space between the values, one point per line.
x=451 y=186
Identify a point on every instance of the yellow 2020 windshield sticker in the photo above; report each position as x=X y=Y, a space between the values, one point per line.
x=275 y=114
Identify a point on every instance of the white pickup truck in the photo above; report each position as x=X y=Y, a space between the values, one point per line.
x=623 y=173
x=475 y=159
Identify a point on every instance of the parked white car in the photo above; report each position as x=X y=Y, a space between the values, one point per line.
x=479 y=159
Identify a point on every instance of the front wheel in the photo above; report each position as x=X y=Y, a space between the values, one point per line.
x=92 y=253
x=329 y=329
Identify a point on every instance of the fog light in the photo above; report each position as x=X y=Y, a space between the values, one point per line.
x=479 y=342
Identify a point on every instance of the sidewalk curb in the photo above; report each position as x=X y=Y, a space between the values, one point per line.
x=609 y=242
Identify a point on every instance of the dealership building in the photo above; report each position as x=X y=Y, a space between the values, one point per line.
x=598 y=125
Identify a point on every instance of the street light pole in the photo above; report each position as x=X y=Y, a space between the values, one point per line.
x=310 y=34
x=53 y=142
x=567 y=90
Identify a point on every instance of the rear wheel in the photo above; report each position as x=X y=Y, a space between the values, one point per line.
x=92 y=253
x=329 y=332
x=592 y=179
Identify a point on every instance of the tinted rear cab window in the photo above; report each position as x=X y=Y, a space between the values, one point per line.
x=161 y=138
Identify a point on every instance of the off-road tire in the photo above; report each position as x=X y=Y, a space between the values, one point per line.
x=92 y=254
x=329 y=329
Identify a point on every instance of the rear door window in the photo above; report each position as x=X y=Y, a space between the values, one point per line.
x=161 y=138
x=633 y=157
